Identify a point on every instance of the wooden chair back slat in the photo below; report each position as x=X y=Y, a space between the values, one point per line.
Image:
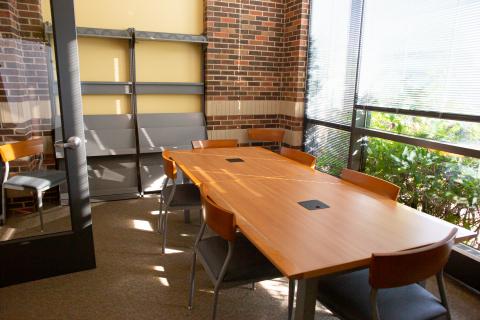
x=270 y=135
x=299 y=156
x=13 y=151
x=389 y=270
x=218 y=219
x=371 y=183
x=169 y=166
x=204 y=144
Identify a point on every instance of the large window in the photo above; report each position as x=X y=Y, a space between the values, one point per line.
x=394 y=90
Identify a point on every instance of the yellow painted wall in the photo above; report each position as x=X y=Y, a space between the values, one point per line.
x=176 y=16
x=103 y=59
x=168 y=61
x=106 y=104
x=167 y=103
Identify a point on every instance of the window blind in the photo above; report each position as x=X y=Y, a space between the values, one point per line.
x=333 y=54
x=421 y=55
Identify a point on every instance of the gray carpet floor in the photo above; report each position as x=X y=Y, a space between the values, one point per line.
x=134 y=281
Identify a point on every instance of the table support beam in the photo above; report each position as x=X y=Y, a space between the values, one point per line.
x=306 y=299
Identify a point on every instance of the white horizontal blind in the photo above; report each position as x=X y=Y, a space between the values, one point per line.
x=332 y=60
x=330 y=147
x=421 y=55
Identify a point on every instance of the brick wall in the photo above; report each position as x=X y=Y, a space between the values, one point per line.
x=255 y=67
x=24 y=96
x=295 y=50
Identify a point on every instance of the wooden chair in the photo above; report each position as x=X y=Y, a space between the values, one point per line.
x=204 y=144
x=371 y=183
x=266 y=135
x=174 y=197
x=299 y=156
x=390 y=289
x=37 y=181
x=229 y=258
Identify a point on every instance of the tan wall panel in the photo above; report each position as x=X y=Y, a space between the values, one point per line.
x=106 y=104
x=103 y=59
x=176 y=16
x=169 y=103
x=168 y=62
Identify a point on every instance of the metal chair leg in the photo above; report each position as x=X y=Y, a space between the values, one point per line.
x=192 y=282
x=443 y=293
x=291 y=295
x=160 y=217
x=3 y=217
x=252 y=286
x=164 y=230
x=40 y=208
x=215 y=302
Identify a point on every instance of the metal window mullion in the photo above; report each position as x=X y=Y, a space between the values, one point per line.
x=420 y=142
x=421 y=113
x=204 y=94
x=307 y=78
x=133 y=105
x=356 y=153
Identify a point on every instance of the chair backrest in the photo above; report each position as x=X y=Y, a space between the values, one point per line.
x=271 y=135
x=299 y=156
x=13 y=151
x=204 y=144
x=218 y=219
x=371 y=183
x=169 y=166
x=389 y=270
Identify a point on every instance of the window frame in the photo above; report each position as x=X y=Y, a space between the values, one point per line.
x=462 y=264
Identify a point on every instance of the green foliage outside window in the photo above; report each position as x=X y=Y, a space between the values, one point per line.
x=438 y=183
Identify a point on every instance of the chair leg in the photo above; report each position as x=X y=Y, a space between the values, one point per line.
x=252 y=286
x=164 y=230
x=3 y=217
x=215 y=302
x=443 y=293
x=160 y=217
x=192 y=281
x=40 y=208
x=291 y=295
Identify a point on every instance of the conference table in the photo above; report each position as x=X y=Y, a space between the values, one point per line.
x=336 y=233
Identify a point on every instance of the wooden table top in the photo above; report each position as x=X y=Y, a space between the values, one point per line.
x=210 y=165
x=300 y=242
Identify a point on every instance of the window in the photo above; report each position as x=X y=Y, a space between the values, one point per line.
x=408 y=73
x=421 y=55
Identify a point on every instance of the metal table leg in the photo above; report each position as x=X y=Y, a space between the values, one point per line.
x=186 y=212
x=306 y=299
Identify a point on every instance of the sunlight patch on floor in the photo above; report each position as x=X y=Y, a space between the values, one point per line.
x=206 y=291
x=172 y=251
x=186 y=235
x=6 y=233
x=164 y=281
x=278 y=289
x=159 y=268
x=142 y=225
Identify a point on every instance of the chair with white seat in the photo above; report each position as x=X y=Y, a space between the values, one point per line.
x=389 y=290
x=37 y=181
x=174 y=196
